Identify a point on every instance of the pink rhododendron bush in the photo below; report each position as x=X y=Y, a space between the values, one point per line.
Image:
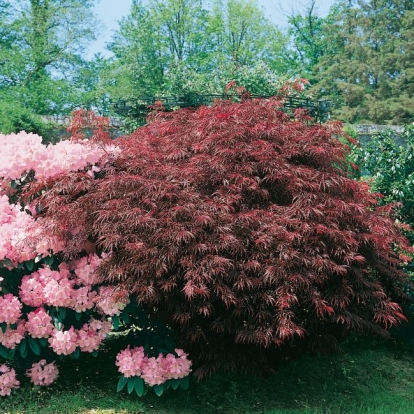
x=55 y=306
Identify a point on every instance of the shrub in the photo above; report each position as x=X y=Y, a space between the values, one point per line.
x=16 y=118
x=51 y=308
x=388 y=160
x=239 y=227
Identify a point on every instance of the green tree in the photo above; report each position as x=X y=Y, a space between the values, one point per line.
x=369 y=73
x=44 y=49
x=243 y=35
x=181 y=46
x=308 y=37
x=155 y=39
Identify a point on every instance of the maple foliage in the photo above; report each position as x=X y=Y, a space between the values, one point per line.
x=239 y=226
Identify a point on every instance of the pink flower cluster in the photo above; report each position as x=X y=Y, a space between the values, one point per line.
x=88 y=338
x=10 y=308
x=72 y=286
x=39 y=323
x=64 y=342
x=24 y=152
x=8 y=380
x=108 y=303
x=91 y=335
x=42 y=373
x=154 y=371
x=12 y=337
x=15 y=228
x=21 y=235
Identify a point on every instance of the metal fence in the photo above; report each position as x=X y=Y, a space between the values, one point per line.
x=138 y=108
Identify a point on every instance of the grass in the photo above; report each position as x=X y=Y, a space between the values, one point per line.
x=369 y=377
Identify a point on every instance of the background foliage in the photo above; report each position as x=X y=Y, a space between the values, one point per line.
x=360 y=55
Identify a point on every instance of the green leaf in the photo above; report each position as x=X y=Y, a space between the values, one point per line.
x=78 y=316
x=34 y=346
x=62 y=313
x=7 y=262
x=131 y=384
x=139 y=386
x=115 y=322
x=29 y=265
x=125 y=317
x=43 y=341
x=95 y=354
x=159 y=389
x=76 y=353
x=175 y=383
x=23 y=348
x=185 y=383
x=4 y=352
x=48 y=260
x=121 y=383
x=3 y=327
x=13 y=184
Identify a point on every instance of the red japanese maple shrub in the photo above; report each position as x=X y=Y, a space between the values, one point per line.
x=240 y=227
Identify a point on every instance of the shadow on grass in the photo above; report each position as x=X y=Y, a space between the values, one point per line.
x=369 y=377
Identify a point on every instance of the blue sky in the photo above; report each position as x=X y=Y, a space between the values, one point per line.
x=109 y=12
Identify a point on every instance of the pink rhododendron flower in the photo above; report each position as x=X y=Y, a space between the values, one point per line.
x=58 y=292
x=8 y=380
x=39 y=324
x=12 y=337
x=10 y=308
x=131 y=361
x=108 y=302
x=91 y=335
x=101 y=327
x=24 y=152
x=83 y=299
x=177 y=367
x=154 y=371
x=16 y=226
x=64 y=342
x=31 y=289
x=42 y=373
x=85 y=269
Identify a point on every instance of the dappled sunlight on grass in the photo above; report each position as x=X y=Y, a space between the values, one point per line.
x=369 y=377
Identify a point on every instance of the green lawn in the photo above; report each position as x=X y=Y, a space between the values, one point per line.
x=368 y=377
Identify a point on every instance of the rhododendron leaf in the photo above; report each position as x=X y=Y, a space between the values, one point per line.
x=34 y=346
x=23 y=348
x=62 y=313
x=185 y=383
x=75 y=354
x=43 y=341
x=3 y=327
x=13 y=184
x=78 y=316
x=29 y=265
x=139 y=386
x=48 y=260
x=125 y=317
x=121 y=383
x=159 y=389
x=5 y=353
x=115 y=322
x=175 y=383
x=95 y=354
x=7 y=262
x=131 y=384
